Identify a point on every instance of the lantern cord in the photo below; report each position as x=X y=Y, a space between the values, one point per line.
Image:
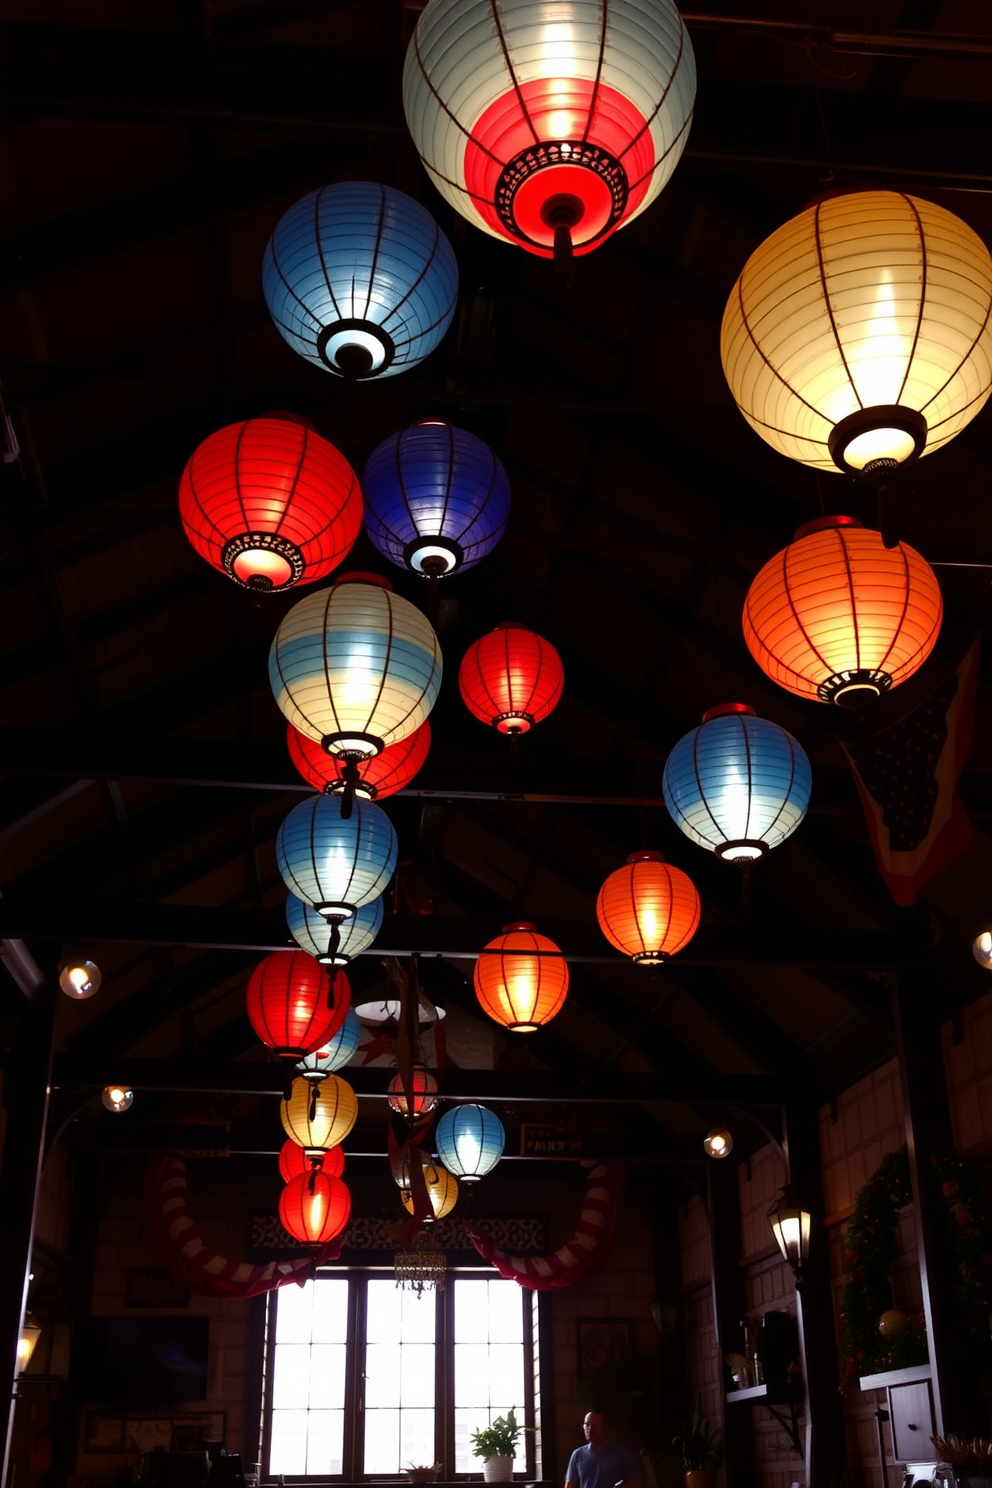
x=351 y=779
x=312 y=1182
x=886 y=516
x=747 y=895
x=562 y=213
x=314 y=1094
x=432 y=596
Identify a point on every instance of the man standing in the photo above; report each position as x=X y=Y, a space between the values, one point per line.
x=600 y=1464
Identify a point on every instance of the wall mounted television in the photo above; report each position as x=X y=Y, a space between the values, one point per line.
x=141 y=1360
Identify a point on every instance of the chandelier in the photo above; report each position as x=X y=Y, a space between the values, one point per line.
x=421 y=1267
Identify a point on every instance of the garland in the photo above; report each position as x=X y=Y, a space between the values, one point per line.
x=871 y=1247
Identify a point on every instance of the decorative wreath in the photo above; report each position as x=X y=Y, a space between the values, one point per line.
x=870 y=1249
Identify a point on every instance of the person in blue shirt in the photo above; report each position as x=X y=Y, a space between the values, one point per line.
x=601 y=1464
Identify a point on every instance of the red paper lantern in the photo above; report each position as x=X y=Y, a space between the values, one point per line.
x=521 y=978
x=648 y=909
x=294 y=1162
x=423 y=1093
x=270 y=503
x=314 y=1207
x=379 y=775
x=292 y=1005
x=511 y=678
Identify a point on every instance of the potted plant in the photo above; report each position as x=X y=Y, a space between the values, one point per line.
x=699 y=1446
x=496 y=1445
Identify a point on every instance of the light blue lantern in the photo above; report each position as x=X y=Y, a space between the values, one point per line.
x=738 y=784
x=359 y=279
x=312 y=934
x=334 y=863
x=436 y=498
x=335 y=1054
x=470 y=1142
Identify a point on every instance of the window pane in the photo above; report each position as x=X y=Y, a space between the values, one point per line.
x=325 y=1442
x=293 y=1314
x=382 y=1375
x=472 y=1310
x=417 y=1375
x=489 y=1363
x=291 y=1382
x=472 y=1374
x=382 y=1441
x=417 y=1438
x=506 y=1318
x=399 y=1384
x=288 y=1453
x=418 y=1315
x=383 y=1319
x=309 y=1367
x=327 y=1366
x=506 y=1375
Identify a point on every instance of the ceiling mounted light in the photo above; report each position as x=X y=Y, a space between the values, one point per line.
x=437 y=499
x=858 y=336
x=293 y=1161
x=423 y=1093
x=718 y=1142
x=314 y=1207
x=442 y=1190
x=319 y=1116
x=470 y=1140
x=292 y=1005
x=375 y=1006
x=511 y=678
x=360 y=280
x=981 y=949
x=549 y=125
x=270 y=504
x=117 y=1098
x=840 y=617
x=336 y=864
x=738 y=785
x=79 y=977
x=521 y=978
x=336 y=1053
x=648 y=909
x=379 y=775
x=312 y=932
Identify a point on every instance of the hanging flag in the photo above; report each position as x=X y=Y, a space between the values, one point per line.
x=907 y=776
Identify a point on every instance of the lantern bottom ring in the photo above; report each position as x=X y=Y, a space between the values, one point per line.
x=650 y=958
x=351 y=745
x=355 y=349
x=335 y=911
x=519 y=202
x=363 y=790
x=876 y=439
x=852 y=688
x=433 y=557
x=513 y=723
x=262 y=561
x=741 y=850
x=332 y=958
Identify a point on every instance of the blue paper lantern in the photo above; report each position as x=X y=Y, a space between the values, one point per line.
x=436 y=498
x=359 y=279
x=470 y=1142
x=738 y=784
x=335 y=1054
x=310 y=931
x=335 y=863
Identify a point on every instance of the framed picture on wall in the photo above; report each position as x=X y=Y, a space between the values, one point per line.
x=600 y=1342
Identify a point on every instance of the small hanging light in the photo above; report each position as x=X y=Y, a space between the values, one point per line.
x=379 y=775
x=314 y=1207
x=294 y=1162
x=470 y=1141
x=738 y=784
x=648 y=909
x=840 y=617
x=858 y=336
x=790 y=1224
x=546 y=127
x=511 y=678
x=521 y=978
x=117 y=1098
x=981 y=949
x=270 y=504
x=423 y=1093
x=437 y=499
x=27 y=1341
x=291 y=1004
x=79 y=977
x=360 y=280
x=718 y=1142
x=333 y=863
x=312 y=933
x=442 y=1190
x=336 y=1053
x=318 y=1116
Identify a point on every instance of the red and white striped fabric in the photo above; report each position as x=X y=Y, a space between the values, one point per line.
x=202 y=1269
x=584 y=1253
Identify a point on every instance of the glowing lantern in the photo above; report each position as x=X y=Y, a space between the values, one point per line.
x=532 y=116
x=437 y=499
x=738 y=784
x=291 y=1004
x=423 y=1093
x=442 y=1189
x=335 y=1054
x=318 y=1116
x=718 y=1142
x=336 y=864
x=470 y=1141
x=294 y=1162
x=859 y=336
x=648 y=909
x=270 y=503
x=312 y=933
x=314 y=1207
x=838 y=616
x=360 y=280
x=379 y=775
x=521 y=978
x=511 y=679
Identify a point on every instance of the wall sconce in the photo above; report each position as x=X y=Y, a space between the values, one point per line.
x=117 y=1098
x=27 y=1340
x=790 y=1225
x=79 y=977
x=718 y=1142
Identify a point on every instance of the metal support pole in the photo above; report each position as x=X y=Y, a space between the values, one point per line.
x=726 y=1246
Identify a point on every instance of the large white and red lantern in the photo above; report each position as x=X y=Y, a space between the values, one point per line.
x=542 y=116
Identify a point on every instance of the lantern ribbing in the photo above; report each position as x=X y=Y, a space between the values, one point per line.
x=319 y=1116
x=521 y=979
x=511 y=678
x=291 y=1004
x=648 y=909
x=314 y=1207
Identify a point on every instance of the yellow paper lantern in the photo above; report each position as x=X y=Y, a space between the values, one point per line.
x=442 y=1190
x=319 y=1115
x=859 y=335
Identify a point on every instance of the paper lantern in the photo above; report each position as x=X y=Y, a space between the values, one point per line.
x=470 y=1141
x=442 y=1190
x=336 y=1053
x=838 y=616
x=379 y=775
x=648 y=909
x=521 y=979
x=511 y=679
x=533 y=115
x=292 y=1005
x=738 y=784
x=360 y=280
x=294 y=1162
x=314 y=1207
x=270 y=503
x=859 y=335
x=437 y=499
x=355 y=667
x=318 y=1116
x=333 y=864
x=423 y=1093
x=312 y=932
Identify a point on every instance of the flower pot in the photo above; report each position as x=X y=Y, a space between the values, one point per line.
x=700 y=1477
x=498 y=1469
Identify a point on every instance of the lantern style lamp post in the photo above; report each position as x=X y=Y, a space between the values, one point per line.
x=27 y=1341
x=790 y=1224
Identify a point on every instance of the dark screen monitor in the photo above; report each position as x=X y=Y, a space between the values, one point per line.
x=141 y=1360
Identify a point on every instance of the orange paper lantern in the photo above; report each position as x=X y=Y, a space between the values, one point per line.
x=648 y=909
x=314 y=1207
x=521 y=979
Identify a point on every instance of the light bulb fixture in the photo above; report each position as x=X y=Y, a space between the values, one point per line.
x=117 y=1098
x=790 y=1224
x=79 y=977
x=981 y=949
x=718 y=1142
x=27 y=1341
